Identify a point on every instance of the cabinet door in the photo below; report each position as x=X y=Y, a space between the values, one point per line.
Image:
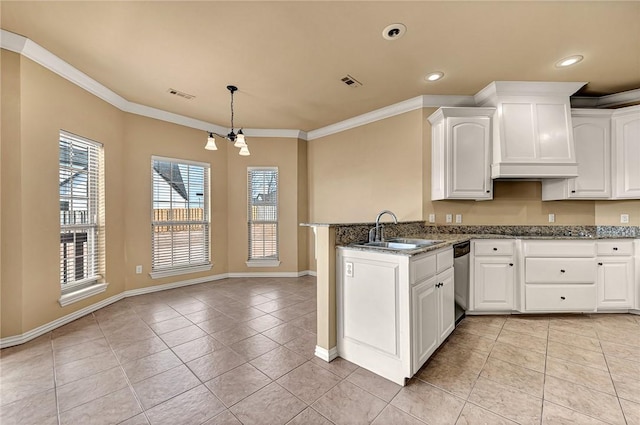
x=469 y=174
x=493 y=283
x=446 y=304
x=424 y=300
x=627 y=156
x=615 y=283
x=593 y=153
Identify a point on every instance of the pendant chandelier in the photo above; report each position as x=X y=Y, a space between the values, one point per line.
x=238 y=139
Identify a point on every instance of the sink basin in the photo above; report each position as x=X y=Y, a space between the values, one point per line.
x=400 y=243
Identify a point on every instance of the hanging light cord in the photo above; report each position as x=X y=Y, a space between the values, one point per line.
x=232 y=110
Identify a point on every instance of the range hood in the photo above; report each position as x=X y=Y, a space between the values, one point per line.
x=532 y=131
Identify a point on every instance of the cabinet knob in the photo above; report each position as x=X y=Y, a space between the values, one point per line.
x=562 y=298
x=573 y=191
x=615 y=248
x=510 y=264
x=599 y=264
x=495 y=249
x=562 y=270
x=488 y=191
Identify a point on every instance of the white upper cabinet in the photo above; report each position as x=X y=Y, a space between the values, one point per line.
x=592 y=137
x=626 y=153
x=532 y=135
x=460 y=153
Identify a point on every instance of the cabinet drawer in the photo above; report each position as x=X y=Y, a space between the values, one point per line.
x=560 y=270
x=493 y=248
x=558 y=248
x=422 y=268
x=560 y=297
x=445 y=260
x=615 y=248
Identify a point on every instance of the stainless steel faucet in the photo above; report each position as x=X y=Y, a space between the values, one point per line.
x=376 y=234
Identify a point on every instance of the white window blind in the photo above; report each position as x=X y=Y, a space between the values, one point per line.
x=180 y=222
x=81 y=211
x=263 y=213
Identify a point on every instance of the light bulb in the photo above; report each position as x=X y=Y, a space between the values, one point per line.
x=240 y=142
x=211 y=143
x=244 y=151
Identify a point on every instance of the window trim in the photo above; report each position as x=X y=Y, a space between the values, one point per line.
x=77 y=289
x=176 y=270
x=263 y=262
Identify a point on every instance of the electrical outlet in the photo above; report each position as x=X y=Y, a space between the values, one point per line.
x=138 y=269
x=458 y=218
x=432 y=218
x=348 y=269
x=552 y=218
x=449 y=218
x=624 y=218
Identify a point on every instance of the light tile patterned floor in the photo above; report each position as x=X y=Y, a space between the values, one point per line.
x=241 y=351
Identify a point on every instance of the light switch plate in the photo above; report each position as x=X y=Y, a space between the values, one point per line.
x=432 y=218
x=458 y=218
x=138 y=269
x=624 y=218
x=552 y=218
x=449 y=218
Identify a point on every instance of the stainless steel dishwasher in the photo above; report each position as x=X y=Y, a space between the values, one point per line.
x=461 y=277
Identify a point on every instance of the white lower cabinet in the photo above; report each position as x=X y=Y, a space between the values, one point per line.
x=493 y=276
x=434 y=319
x=393 y=310
x=559 y=276
x=615 y=275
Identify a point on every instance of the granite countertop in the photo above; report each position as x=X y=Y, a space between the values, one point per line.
x=348 y=234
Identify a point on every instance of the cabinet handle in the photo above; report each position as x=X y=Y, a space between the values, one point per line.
x=615 y=248
x=573 y=191
x=510 y=264
x=599 y=264
x=562 y=270
x=562 y=298
x=495 y=249
x=488 y=191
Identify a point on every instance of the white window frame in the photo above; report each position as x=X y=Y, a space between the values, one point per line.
x=257 y=261
x=164 y=270
x=86 y=221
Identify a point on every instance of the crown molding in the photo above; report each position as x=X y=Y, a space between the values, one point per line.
x=418 y=102
x=609 y=101
x=31 y=50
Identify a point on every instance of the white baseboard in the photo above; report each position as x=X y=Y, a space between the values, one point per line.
x=173 y=285
x=634 y=311
x=326 y=355
x=48 y=327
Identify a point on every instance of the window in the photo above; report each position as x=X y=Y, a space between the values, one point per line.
x=180 y=222
x=81 y=204
x=263 y=216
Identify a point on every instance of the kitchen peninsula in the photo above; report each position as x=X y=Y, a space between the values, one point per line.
x=592 y=241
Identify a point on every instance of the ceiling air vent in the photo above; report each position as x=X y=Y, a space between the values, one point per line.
x=181 y=94
x=350 y=81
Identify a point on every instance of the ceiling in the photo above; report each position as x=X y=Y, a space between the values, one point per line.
x=288 y=57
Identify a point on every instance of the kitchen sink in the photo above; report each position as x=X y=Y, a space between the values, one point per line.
x=400 y=243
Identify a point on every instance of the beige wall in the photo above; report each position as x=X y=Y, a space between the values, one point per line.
x=10 y=188
x=355 y=174
x=265 y=152
x=47 y=104
x=145 y=137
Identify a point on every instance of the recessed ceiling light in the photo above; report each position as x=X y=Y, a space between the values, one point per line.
x=434 y=76
x=394 y=31
x=571 y=60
